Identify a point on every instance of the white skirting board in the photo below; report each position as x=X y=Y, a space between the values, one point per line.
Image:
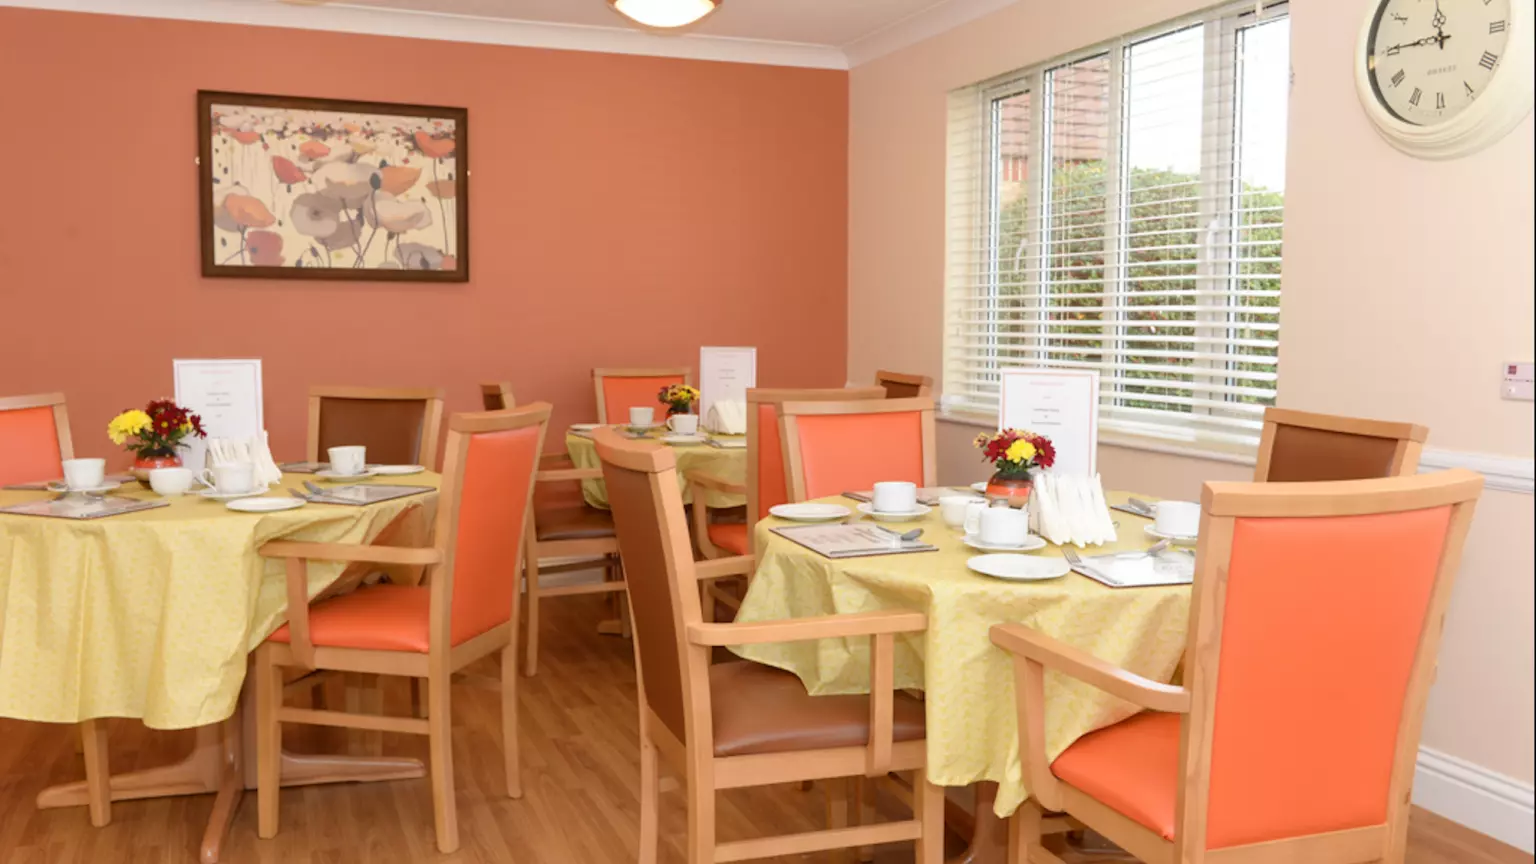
x=1485 y=801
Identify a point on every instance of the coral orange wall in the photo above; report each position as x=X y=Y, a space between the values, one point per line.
x=626 y=210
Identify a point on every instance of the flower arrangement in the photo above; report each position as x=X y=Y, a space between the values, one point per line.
x=678 y=398
x=1013 y=452
x=156 y=430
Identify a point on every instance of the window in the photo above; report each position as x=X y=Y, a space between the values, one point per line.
x=1121 y=209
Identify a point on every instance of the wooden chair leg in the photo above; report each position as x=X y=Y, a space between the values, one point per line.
x=864 y=790
x=650 y=793
x=532 y=662
x=440 y=731
x=419 y=702
x=837 y=801
x=706 y=604
x=1026 y=834
x=269 y=742
x=511 y=749
x=701 y=819
x=928 y=809
x=98 y=777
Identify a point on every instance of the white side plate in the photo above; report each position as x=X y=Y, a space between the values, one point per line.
x=810 y=512
x=265 y=505
x=869 y=510
x=1034 y=542
x=1175 y=539
x=1019 y=568
x=397 y=470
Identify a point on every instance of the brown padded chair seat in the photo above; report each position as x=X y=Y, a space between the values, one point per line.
x=760 y=709
x=571 y=521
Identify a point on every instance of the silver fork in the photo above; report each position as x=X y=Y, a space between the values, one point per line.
x=1076 y=560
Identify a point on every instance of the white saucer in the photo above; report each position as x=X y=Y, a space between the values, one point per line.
x=215 y=495
x=1176 y=539
x=585 y=427
x=869 y=510
x=683 y=440
x=265 y=505
x=1019 y=568
x=810 y=512
x=642 y=429
x=396 y=470
x=61 y=488
x=331 y=476
x=1034 y=542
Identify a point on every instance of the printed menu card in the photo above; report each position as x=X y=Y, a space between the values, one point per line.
x=851 y=540
x=725 y=375
x=359 y=494
x=1061 y=404
x=226 y=394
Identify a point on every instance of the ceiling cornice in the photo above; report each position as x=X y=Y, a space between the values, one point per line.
x=940 y=17
x=345 y=18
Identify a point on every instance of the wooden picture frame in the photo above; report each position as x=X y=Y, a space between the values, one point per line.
x=309 y=205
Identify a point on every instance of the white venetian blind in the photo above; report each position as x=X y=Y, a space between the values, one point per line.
x=1121 y=210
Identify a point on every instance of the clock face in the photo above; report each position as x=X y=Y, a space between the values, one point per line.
x=1429 y=60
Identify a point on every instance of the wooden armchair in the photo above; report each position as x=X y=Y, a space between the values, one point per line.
x=738 y=724
x=34 y=438
x=836 y=447
x=900 y=385
x=470 y=610
x=619 y=390
x=1301 y=447
x=1317 y=612
x=397 y=425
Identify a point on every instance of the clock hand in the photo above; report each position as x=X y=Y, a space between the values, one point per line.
x=1440 y=38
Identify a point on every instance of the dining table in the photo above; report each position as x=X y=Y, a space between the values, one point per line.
x=967 y=682
x=151 y=615
x=727 y=464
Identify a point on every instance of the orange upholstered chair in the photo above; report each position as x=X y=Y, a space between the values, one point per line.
x=34 y=438
x=900 y=385
x=397 y=425
x=1316 y=620
x=835 y=447
x=619 y=390
x=741 y=724
x=468 y=611
x=1302 y=447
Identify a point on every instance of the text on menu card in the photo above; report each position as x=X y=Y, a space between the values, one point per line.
x=1061 y=404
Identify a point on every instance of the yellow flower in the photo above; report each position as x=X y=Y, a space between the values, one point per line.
x=1020 y=451
x=127 y=423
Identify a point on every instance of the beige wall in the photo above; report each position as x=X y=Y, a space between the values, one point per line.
x=1381 y=251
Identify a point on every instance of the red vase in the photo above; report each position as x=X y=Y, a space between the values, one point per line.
x=1014 y=490
x=142 y=465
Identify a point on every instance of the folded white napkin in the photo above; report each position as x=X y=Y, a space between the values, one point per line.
x=229 y=451
x=727 y=418
x=1066 y=509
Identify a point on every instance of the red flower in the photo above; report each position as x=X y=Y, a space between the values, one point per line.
x=1046 y=457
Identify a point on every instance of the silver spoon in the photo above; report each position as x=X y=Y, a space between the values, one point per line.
x=904 y=537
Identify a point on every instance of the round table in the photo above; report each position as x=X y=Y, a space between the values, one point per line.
x=727 y=463
x=967 y=681
x=151 y=615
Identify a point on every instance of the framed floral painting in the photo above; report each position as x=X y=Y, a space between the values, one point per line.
x=295 y=188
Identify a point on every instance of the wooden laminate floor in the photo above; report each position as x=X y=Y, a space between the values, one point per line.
x=581 y=775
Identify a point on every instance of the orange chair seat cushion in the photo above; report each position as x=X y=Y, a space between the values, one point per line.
x=760 y=709
x=730 y=536
x=1132 y=766
x=376 y=618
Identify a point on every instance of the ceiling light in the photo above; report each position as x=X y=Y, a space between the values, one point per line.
x=665 y=14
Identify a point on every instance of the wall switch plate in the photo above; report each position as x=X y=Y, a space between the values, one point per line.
x=1517 y=382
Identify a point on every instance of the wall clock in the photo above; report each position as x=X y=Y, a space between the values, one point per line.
x=1443 y=78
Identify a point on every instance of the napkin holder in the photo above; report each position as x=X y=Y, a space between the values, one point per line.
x=727 y=418
x=264 y=470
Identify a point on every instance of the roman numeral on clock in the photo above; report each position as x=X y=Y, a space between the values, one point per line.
x=1489 y=58
x=1468 y=87
x=1414 y=98
x=1496 y=27
x=1398 y=78
x=1440 y=100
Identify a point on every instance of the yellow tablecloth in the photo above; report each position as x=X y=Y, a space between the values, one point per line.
x=151 y=614
x=968 y=682
x=729 y=465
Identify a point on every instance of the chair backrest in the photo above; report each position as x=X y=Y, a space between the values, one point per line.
x=834 y=447
x=497 y=396
x=1301 y=447
x=619 y=390
x=900 y=385
x=641 y=477
x=398 y=426
x=767 y=479
x=1317 y=616
x=34 y=438
x=487 y=488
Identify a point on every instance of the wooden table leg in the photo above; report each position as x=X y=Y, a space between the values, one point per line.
x=989 y=841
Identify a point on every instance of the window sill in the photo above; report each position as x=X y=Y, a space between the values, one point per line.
x=1211 y=451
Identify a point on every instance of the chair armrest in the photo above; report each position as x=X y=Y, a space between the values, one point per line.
x=804 y=629
x=1058 y=655
x=567 y=474
x=710 y=481
x=739 y=565
x=349 y=552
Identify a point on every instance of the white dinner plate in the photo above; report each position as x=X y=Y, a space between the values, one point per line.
x=215 y=495
x=1175 y=539
x=61 y=488
x=396 y=470
x=1019 y=568
x=585 y=427
x=975 y=542
x=869 y=510
x=684 y=440
x=265 y=505
x=810 y=512
x=331 y=476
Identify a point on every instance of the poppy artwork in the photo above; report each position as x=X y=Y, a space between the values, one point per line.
x=302 y=188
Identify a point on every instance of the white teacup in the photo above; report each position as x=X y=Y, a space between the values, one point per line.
x=85 y=473
x=684 y=424
x=1178 y=518
x=1004 y=526
x=894 y=496
x=230 y=478
x=973 y=510
x=642 y=416
x=347 y=461
x=170 y=481
x=953 y=507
